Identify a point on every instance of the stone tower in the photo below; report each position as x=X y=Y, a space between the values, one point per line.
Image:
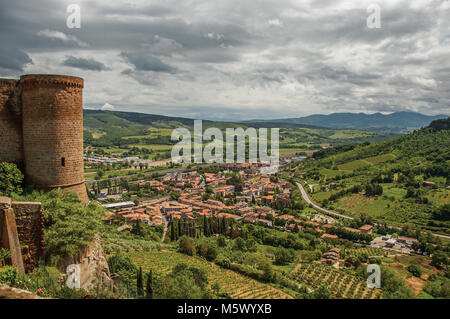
x=51 y=116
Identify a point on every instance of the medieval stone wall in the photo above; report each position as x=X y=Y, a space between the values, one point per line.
x=30 y=228
x=27 y=226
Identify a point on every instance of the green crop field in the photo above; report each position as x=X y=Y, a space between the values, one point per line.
x=353 y=165
x=380 y=159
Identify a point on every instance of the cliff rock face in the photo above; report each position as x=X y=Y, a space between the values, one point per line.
x=92 y=263
x=7 y=292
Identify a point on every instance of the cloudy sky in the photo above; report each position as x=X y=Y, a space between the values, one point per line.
x=242 y=59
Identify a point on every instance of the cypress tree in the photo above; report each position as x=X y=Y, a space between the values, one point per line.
x=140 y=283
x=172 y=231
x=137 y=229
x=180 y=229
x=149 y=286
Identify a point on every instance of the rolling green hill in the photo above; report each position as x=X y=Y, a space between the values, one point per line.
x=412 y=170
x=113 y=128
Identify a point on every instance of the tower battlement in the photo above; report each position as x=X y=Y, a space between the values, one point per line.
x=42 y=80
x=8 y=83
x=41 y=122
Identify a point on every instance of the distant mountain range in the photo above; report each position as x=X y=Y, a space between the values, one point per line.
x=107 y=119
x=399 y=122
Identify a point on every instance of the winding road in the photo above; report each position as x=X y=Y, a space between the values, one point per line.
x=309 y=201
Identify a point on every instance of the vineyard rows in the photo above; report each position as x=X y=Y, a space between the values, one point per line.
x=236 y=285
x=339 y=283
x=370 y=252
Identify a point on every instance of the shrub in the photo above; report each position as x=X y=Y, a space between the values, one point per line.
x=11 y=179
x=70 y=225
x=8 y=275
x=221 y=241
x=186 y=246
x=283 y=256
x=127 y=271
x=322 y=293
x=415 y=270
x=5 y=256
x=183 y=283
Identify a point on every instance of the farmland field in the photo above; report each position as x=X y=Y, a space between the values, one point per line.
x=353 y=165
x=374 y=160
x=150 y=134
x=358 y=203
x=236 y=285
x=380 y=159
x=368 y=251
x=330 y=172
x=338 y=282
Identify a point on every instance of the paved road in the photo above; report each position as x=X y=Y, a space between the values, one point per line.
x=166 y=223
x=308 y=200
x=153 y=201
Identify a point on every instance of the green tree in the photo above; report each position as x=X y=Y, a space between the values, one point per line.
x=183 y=283
x=140 y=283
x=322 y=293
x=149 y=285
x=268 y=274
x=11 y=179
x=393 y=285
x=239 y=244
x=221 y=241
x=186 y=246
x=439 y=259
x=137 y=229
x=415 y=270
x=70 y=224
x=283 y=256
x=127 y=271
x=442 y=213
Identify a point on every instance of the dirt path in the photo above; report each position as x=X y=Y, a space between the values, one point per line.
x=152 y=201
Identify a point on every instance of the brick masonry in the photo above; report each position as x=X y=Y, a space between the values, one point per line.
x=30 y=228
x=26 y=222
x=41 y=128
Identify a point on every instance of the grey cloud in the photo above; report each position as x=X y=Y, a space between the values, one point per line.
x=13 y=59
x=129 y=9
x=146 y=62
x=85 y=64
x=324 y=55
